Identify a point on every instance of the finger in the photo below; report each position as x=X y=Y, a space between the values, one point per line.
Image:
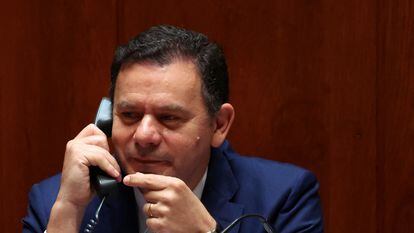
x=112 y=160
x=147 y=181
x=98 y=140
x=154 y=224
x=150 y=210
x=158 y=196
x=90 y=155
x=97 y=156
x=78 y=149
x=89 y=130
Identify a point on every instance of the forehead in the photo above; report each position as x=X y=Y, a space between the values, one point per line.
x=178 y=81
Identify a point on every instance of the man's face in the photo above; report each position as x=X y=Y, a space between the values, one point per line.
x=161 y=124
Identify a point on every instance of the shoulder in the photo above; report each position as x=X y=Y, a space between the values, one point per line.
x=286 y=194
x=50 y=184
x=262 y=171
x=274 y=183
x=46 y=191
x=42 y=196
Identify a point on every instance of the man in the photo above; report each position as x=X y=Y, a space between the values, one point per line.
x=170 y=119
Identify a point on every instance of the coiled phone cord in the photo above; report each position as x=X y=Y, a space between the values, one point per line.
x=90 y=227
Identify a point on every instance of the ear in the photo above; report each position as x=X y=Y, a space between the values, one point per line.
x=223 y=120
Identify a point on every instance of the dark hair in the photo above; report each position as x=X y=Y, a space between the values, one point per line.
x=163 y=44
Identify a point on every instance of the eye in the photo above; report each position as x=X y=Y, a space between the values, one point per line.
x=129 y=117
x=170 y=121
x=168 y=118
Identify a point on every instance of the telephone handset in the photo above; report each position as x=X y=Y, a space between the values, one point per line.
x=100 y=181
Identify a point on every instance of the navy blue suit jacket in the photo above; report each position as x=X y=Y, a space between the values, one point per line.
x=285 y=194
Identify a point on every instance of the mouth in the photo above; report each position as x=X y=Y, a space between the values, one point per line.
x=148 y=161
x=155 y=166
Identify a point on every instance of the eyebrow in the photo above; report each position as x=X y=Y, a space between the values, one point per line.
x=174 y=108
x=124 y=105
x=163 y=108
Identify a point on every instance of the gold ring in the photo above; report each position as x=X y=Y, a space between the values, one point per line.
x=149 y=211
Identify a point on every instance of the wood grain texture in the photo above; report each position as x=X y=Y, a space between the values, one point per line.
x=395 y=211
x=326 y=85
x=350 y=55
x=56 y=69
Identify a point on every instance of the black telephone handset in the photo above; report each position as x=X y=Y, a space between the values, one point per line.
x=100 y=181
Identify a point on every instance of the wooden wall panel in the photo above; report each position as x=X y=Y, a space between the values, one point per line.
x=350 y=66
x=395 y=140
x=323 y=84
x=303 y=85
x=55 y=67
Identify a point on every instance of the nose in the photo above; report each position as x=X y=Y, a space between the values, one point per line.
x=147 y=133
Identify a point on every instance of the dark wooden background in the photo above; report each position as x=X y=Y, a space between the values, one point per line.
x=327 y=85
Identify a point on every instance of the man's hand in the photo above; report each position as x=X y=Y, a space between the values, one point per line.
x=172 y=207
x=88 y=148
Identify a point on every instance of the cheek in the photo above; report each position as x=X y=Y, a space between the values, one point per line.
x=187 y=147
x=120 y=135
x=117 y=138
x=182 y=140
x=192 y=133
x=120 y=139
x=190 y=155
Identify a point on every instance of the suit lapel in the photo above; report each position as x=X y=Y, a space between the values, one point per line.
x=122 y=212
x=221 y=186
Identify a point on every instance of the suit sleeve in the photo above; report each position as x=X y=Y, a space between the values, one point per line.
x=302 y=211
x=37 y=215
